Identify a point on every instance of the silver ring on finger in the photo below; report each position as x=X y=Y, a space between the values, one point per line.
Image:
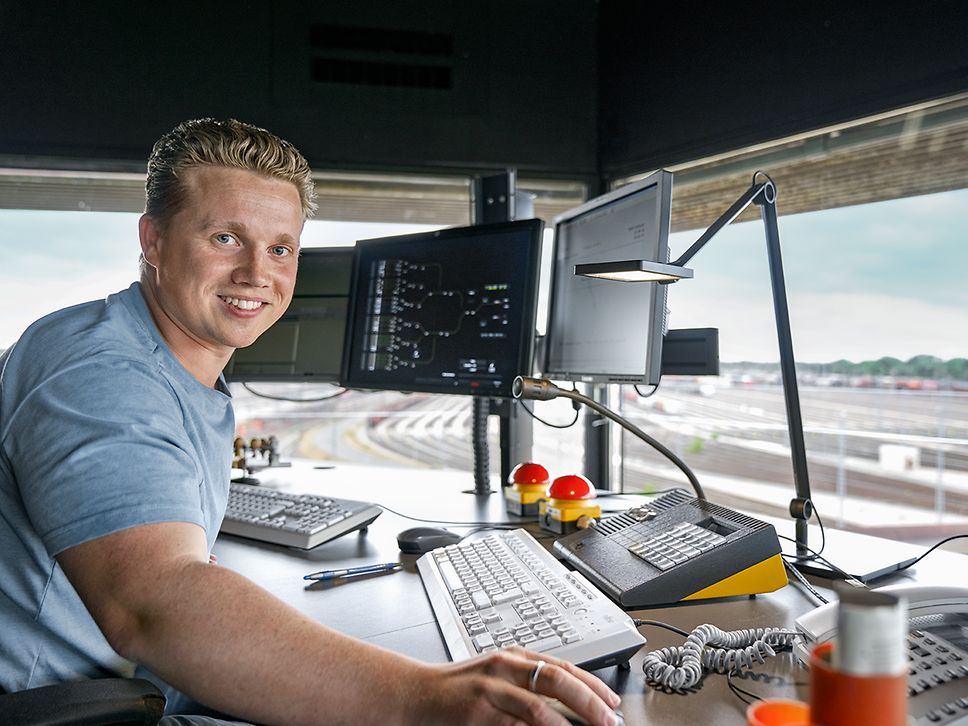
x=533 y=678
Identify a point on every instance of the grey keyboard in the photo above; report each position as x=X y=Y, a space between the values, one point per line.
x=294 y=520
x=506 y=589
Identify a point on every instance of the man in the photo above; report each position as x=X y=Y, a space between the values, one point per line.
x=115 y=431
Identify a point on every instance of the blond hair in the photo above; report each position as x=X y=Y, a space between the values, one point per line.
x=229 y=143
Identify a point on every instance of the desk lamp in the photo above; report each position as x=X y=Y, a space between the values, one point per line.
x=762 y=193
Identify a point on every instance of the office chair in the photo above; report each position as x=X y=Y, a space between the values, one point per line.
x=97 y=702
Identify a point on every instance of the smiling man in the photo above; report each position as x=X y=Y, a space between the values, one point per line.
x=221 y=271
x=115 y=445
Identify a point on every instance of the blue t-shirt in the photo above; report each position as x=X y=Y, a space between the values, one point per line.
x=101 y=429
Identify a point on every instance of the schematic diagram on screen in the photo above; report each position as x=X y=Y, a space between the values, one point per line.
x=411 y=310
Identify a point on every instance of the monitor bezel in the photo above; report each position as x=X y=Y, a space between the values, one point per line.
x=661 y=180
x=311 y=377
x=530 y=302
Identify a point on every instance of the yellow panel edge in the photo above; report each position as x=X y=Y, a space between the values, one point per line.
x=765 y=576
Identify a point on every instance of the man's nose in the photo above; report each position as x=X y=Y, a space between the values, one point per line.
x=251 y=269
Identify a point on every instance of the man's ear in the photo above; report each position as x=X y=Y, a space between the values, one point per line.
x=150 y=235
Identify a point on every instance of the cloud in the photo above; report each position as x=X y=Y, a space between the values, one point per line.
x=826 y=327
x=26 y=301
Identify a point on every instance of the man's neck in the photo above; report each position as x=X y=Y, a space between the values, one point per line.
x=204 y=364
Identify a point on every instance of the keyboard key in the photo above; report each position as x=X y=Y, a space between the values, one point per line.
x=482 y=641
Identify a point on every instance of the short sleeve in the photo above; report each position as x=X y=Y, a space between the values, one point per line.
x=101 y=447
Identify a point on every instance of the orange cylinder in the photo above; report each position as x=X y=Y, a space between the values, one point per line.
x=844 y=699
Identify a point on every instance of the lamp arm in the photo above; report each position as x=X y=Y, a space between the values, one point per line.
x=725 y=218
x=764 y=195
x=633 y=429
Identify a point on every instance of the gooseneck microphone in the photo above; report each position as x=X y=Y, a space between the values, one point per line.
x=535 y=389
x=541 y=389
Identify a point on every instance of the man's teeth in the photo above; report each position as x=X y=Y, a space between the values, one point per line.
x=242 y=304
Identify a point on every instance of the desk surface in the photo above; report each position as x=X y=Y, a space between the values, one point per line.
x=392 y=610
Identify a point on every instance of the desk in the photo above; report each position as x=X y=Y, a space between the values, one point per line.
x=392 y=610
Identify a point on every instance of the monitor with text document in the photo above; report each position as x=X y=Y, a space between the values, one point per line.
x=602 y=331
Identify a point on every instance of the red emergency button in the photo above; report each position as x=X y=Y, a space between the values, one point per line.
x=529 y=473
x=572 y=486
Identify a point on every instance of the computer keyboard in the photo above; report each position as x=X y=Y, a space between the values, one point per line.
x=294 y=520
x=506 y=589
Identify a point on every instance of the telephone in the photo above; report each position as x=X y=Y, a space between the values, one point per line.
x=937 y=648
x=676 y=548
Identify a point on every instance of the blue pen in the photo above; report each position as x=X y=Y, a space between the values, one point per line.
x=325 y=575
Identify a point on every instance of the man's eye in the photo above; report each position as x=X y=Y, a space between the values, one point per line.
x=280 y=251
x=225 y=239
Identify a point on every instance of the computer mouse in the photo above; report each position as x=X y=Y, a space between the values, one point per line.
x=417 y=540
x=574 y=718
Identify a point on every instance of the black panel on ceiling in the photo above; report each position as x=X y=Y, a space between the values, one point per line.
x=386 y=84
x=691 y=79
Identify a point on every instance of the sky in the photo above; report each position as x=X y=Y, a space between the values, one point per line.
x=884 y=279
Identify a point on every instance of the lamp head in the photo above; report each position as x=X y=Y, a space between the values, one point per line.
x=635 y=271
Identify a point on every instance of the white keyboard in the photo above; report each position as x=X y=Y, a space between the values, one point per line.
x=506 y=589
x=294 y=520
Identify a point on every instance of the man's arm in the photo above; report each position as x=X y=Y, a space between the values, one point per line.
x=228 y=643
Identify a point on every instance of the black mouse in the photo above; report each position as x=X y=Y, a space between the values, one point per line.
x=417 y=540
x=574 y=718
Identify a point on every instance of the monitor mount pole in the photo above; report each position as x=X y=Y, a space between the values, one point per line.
x=495 y=199
x=763 y=194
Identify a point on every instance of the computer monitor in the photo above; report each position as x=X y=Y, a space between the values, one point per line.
x=601 y=331
x=306 y=343
x=451 y=311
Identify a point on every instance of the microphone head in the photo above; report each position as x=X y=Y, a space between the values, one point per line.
x=535 y=389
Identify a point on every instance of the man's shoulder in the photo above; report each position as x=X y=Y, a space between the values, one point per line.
x=100 y=327
x=82 y=342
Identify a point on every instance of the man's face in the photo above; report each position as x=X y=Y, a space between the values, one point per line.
x=225 y=263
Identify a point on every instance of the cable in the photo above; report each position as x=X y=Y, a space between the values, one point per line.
x=535 y=416
x=287 y=399
x=740 y=693
x=816 y=556
x=645 y=395
x=803 y=581
x=707 y=648
x=933 y=548
x=658 y=624
x=823 y=539
x=481 y=525
x=737 y=691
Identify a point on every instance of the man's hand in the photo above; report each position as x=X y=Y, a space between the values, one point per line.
x=495 y=689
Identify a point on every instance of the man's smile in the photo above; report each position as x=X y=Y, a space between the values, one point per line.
x=241 y=303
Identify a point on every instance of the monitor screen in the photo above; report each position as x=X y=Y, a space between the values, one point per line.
x=450 y=311
x=602 y=330
x=306 y=343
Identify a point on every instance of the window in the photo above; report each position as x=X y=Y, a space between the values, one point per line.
x=871 y=228
x=69 y=237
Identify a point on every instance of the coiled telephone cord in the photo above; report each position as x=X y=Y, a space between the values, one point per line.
x=708 y=648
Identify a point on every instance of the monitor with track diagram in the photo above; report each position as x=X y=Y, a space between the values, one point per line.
x=600 y=331
x=306 y=343
x=450 y=311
